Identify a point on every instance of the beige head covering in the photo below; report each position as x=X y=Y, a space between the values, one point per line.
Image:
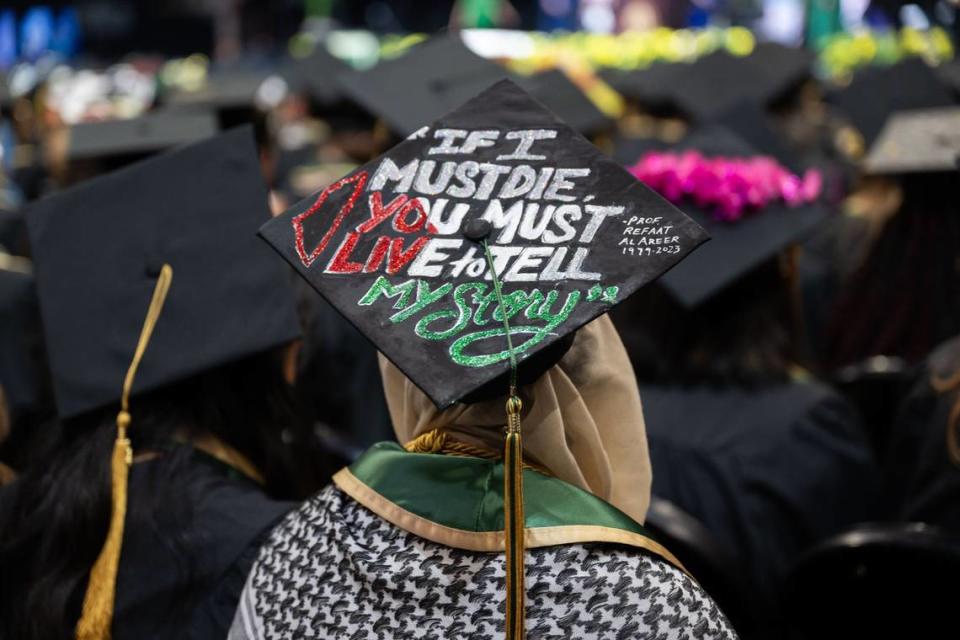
x=582 y=419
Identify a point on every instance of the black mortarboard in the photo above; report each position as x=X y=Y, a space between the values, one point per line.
x=649 y=86
x=876 y=92
x=918 y=141
x=98 y=249
x=236 y=93
x=138 y=137
x=316 y=75
x=442 y=73
x=565 y=99
x=735 y=247
x=753 y=124
x=713 y=84
x=392 y=245
x=225 y=88
x=719 y=81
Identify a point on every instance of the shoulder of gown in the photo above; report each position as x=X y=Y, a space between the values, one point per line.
x=186 y=584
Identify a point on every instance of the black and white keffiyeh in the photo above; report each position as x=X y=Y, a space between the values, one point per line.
x=333 y=569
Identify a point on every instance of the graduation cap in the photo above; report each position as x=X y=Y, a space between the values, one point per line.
x=138 y=137
x=735 y=247
x=235 y=93
x=918 y=141
x=559 y=93
x=649 y=86
x=876 y=92
x=441 y=73
x=719 y=81
x=386 y=246
x=751 y=122
x=715 y=83
x=316 y=75
x=99 y=247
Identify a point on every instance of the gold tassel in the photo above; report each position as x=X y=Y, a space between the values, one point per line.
x=514 y=521
x=98 y=602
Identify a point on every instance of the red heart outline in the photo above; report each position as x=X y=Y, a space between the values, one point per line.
x=360 y=178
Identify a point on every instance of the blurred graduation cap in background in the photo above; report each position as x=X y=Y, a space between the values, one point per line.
x=710 y=86
x=736 y=246
x=917 y=141
x=753 y=124
x=316 y=76
x=237 y=93
x=135 y=138
x=98 y=251
x=648 y=86
x=442 y=73
x=876 y=92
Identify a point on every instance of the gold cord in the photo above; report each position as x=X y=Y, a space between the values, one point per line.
x=440 y=441
x=98 y=602
x=513 y=518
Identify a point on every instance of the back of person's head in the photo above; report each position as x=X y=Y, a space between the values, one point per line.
x=743 y=335
x=905 y=297
x=199 y=360
x=54 y=518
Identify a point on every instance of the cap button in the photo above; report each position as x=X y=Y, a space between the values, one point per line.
x=476 y=229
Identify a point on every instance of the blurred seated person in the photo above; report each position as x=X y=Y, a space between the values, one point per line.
x=922 y=460
x=166 y=329
x=741 y=436
x=904 y=297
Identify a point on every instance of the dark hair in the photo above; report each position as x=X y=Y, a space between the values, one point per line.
x=54 y=518
x=905 y=298
x=744 y=334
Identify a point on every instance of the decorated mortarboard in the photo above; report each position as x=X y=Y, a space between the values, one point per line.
x=139 y=136
x=919 y=141
x=397 y=245
x=98 y=250
x=750 y=204
x=876 y=92
x=440 y=74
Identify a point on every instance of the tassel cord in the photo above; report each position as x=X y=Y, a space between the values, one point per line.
x=513 y=516
x=98 y=601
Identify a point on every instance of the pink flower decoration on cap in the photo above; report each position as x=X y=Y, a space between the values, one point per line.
x=729 y=187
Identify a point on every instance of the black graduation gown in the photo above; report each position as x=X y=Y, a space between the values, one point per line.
x=923 y=482
x=769 y=470
x=187 y=585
